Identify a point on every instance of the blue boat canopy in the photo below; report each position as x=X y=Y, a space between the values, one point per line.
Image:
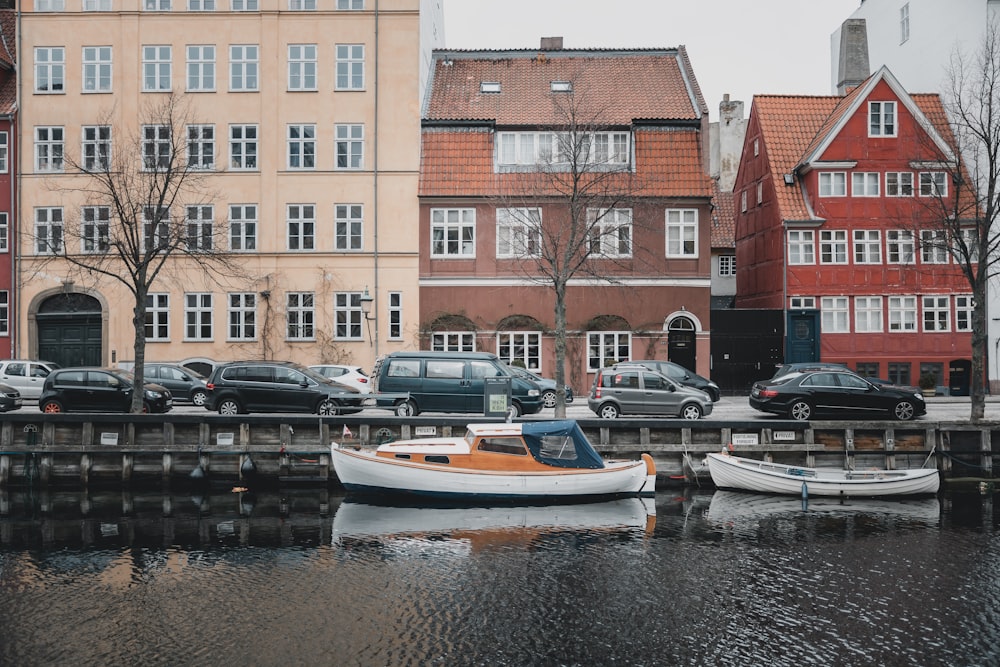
x=560 y=443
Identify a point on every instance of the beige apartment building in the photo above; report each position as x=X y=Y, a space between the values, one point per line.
x=304 y=123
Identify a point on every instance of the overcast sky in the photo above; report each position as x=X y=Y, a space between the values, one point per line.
x=740 y=47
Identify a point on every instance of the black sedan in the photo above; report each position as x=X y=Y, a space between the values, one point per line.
x=10 y=398
x=831 y=393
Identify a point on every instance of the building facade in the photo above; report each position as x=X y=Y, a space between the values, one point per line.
x=833 y=227
x=303 y=121
x=8 y=231
x=521 y=146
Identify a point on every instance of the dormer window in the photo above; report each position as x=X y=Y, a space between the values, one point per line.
x=489 y=87
x=561 y=86
x=881 y=119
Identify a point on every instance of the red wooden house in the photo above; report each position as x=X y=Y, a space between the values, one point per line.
x=492 y=126
x=833 y=227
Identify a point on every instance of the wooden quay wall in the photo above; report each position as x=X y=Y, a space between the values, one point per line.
x=164 y=450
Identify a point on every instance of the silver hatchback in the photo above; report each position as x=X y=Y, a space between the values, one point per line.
x=640 y=391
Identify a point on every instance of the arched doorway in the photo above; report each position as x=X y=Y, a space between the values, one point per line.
x=69 y=329
x=681 y=344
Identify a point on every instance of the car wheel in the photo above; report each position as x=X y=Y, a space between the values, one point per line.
x=514 y=411
x=199 y=398
x=407 y=409
x=609 y=411
x=800 y=411
x=229 y=406
x=904 y=411
x=691 y=411
x=328 y=406
x=549 y=398
x=52 y=407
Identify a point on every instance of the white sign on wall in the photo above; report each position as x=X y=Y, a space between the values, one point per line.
x=745 y=439
x=110 y=439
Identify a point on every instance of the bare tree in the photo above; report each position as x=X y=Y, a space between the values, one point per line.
x=963 y=222
x=145 y=213
x=583 y=175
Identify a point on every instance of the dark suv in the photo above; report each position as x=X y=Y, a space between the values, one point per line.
x=98 y=390
x=278 y=386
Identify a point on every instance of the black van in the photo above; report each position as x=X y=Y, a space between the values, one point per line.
x=449 y=382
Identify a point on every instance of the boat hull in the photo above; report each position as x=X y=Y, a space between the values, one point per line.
x=363 y=472
x=734 y=472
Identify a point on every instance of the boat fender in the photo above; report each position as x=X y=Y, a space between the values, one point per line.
x=650 y=464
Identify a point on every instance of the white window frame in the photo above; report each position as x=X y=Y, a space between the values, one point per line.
x=518 y=232
x=453 y=233
x=525 y=149
x=349 y=5
x=300 y=316
x=867 y=246
x=50 y=5
x=95 y=147
x=4 y=152
x=899 y=184
x=899 y=246
x=241 y=316
x=49 y=148
x=868 y=314
x=607 y=346
x=682 y=232
x=395 y=316
x=865 y=184
x=201 y=5
x=347 y=316
x=936 y=313
x=95 y=229
x=300 y=225
x=349 y=146
x=201 y=147
x=4 y=313
x=200 y=68
x=523 y=345
x=802 y=302
x=243 y=147
x=348 y=227
x=245 y=5
x=963 y=312
x=156 y=67
x=301 y=141
x=243 y=225
x=902 y=314
x=933 y=184
x=834 y=314
x=49 y=230
x=453 y=341
x=244 y=68
x=933 y=246
x=904 y=23
x=302 y=67
x=50 y=70
x=4 y=232
x=155 y=228
x=157 y=5
x=301 y=5
x=350 y=72
x=200 y=231
x=801 y=247
x=157 y=147
x=832 y=183
x=743 y=201
x=97 y=69
x=967 y=234
x=157 y=317
x=198 y=324
x=882 y=119
x=610 y=232
x=833 y=246
x=727 y=266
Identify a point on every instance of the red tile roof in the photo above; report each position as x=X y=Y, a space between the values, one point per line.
x=8 y=47
x=723 y=218
x=618 y=86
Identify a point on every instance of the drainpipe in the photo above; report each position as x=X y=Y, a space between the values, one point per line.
x=375 y=189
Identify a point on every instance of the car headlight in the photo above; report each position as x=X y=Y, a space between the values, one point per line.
x=4 y=394
x=919 y=397
x=533 y=392
x=153 y=395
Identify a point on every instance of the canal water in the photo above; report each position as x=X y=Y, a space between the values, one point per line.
x=307 y=577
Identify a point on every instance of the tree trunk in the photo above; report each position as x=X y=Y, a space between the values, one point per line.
x=139 y=350
x=979 y=345
x=560 y=336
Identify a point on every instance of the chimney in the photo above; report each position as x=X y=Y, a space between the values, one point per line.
x=551 y=43
x=853 y=67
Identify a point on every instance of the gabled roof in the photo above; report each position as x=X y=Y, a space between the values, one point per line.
x=796 y=130
x=618 y=86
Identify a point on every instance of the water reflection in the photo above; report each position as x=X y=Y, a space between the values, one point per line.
x=309 y=577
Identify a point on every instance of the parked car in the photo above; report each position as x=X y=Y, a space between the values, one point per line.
x=678 y=374
x=99 y=390
x=834 y=393
x=25 y=375
x=10 y=398
x=449 y=382
x=352 y=376
x=547 y=385
x=637 y=390
x=185 y=384
x=802 y=366
x=202 y=365
x=278 y=386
